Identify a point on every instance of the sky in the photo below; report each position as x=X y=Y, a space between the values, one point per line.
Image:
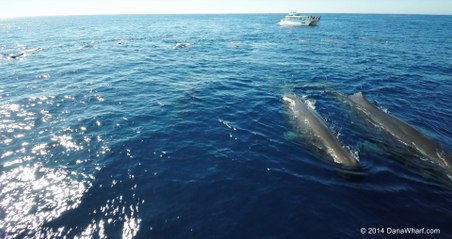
x=16 y=8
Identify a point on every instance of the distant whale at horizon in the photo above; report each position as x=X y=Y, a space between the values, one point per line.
x=181 y=45
x=309 y=122
x=400 y=130
x=15 y=56
x=24 y=53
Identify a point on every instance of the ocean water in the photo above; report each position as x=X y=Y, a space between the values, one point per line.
x=107 y=130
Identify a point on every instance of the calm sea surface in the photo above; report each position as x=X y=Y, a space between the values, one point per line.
x=106 y=130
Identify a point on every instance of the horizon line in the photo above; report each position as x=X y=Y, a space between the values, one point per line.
x=220 y=13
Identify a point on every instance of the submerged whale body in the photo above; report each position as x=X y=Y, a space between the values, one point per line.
x=309 y=122
x=401 y=131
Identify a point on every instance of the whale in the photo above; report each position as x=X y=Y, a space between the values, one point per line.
x=24 y=53
x=401 y=131
x=15 y=56
x=309 y=123
x=181 y=45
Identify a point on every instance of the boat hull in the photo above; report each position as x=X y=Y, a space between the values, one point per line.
x=295 y=23
x=314 y=22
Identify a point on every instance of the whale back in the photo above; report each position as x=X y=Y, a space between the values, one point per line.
x=400 y=130
x=309 y=122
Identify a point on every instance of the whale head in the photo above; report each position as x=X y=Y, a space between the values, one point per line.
x=289 y=99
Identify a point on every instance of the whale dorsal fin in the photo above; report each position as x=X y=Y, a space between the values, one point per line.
x=357 y=97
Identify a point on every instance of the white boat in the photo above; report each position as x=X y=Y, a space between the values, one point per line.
x=296 y=19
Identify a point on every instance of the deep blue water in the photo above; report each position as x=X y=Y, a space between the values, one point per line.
x=107 y=130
